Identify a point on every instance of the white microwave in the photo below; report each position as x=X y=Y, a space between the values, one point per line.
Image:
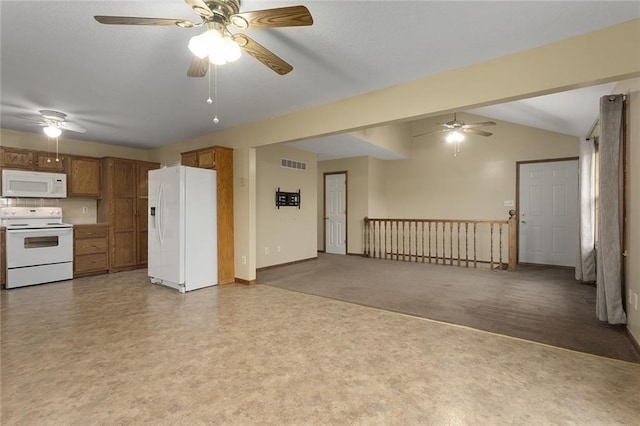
x=26 y=184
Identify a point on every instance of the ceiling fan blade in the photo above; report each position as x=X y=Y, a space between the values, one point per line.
x=486 y=123
x=198 y=67
x=477 y=132
x=200 y=7
x=431 y=132
x=72 y=126
x=262 y=54
x=130 y=20
x=292 y=16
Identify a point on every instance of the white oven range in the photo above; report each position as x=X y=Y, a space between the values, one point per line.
x=39 y=246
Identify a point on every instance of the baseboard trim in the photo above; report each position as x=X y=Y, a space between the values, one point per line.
x=356 y=254
x=634 y=342
x=246 y=282
x=320 y=251
x=264 y=268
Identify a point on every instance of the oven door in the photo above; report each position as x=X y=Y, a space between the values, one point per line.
x=30 y=247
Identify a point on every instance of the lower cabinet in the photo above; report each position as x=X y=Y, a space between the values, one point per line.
x=90 y=250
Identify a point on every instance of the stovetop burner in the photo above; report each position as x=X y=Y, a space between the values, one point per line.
x=32 y=218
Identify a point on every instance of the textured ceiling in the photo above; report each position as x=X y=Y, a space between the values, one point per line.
x=127 y=85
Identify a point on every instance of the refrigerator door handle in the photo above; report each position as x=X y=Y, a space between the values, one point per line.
x=160 y=227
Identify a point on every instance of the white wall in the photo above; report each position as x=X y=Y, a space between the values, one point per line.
x=291 y=229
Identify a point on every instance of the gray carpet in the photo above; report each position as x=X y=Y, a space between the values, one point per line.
x=536 y=303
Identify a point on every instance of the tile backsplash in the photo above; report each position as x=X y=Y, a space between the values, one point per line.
x=74 y=210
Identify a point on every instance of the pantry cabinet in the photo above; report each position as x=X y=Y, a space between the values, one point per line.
x=3 y=278
x=219 y=158
x=84 y=176
x=123 y=206
x=90 y=249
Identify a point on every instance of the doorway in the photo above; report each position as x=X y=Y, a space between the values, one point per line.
x=335 y=213
x=548 y=211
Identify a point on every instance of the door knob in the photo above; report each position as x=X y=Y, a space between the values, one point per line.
x=523 y=221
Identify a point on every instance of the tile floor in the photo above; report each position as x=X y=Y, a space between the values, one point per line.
x=117 y=350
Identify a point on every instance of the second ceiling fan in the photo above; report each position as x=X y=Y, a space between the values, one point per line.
x=218 y=45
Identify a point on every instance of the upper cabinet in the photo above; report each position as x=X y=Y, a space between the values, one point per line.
x=26 y=159
x=83 y=177
x=204 y=158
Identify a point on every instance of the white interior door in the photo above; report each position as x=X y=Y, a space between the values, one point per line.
x=335 y=194
x=548 y=208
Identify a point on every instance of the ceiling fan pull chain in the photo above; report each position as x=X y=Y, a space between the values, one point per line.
x=216 y=120
x=209 y=101
x=57 y=158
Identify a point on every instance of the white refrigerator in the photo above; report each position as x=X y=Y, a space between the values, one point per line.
x=183 y=241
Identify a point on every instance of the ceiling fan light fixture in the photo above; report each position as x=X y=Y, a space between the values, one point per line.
x=198 y=47
x=454 y=136
x=232 y=51
x=52 y=131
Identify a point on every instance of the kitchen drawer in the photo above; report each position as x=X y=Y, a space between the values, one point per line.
x=90 y=262
x=91 y=246
x=90 y=232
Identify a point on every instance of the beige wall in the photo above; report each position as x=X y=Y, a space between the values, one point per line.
x=290 y=229
x=475 y=184
x=432 y=184
x=632 y=272
x=393 y=137
x=377 y=203
x=244 y=212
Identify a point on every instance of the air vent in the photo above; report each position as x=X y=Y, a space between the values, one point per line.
x=292 y=164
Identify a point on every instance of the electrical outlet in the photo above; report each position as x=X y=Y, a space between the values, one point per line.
x=244 y=260
x=278 y=249
x=266 y=250
x=85 y=210
x=635 y=301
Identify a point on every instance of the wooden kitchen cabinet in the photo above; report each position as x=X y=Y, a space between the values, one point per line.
x=46 y=162
x=142 y=205
x=16 y=158
x=219 y=158
x=26 y=159
x=90 y=250
x=204 y=158
x=3 y=260
x=123 y=197
x=84 y=176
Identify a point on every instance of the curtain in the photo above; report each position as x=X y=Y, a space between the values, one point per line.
x=609 y=302
x=586 y=262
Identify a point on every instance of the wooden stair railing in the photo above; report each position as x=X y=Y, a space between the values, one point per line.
x=443 y=241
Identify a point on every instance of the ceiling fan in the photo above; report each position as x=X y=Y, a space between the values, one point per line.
x=461 y=127
x=217 y=44
x=54 y=122
x=456 y=130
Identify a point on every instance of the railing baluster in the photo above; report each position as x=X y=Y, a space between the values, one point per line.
x=475 y=251
x=491 y=243
x=458 y=228
x=500 y=228
x=466 y=244
x=422 y=252
x=450 y=243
